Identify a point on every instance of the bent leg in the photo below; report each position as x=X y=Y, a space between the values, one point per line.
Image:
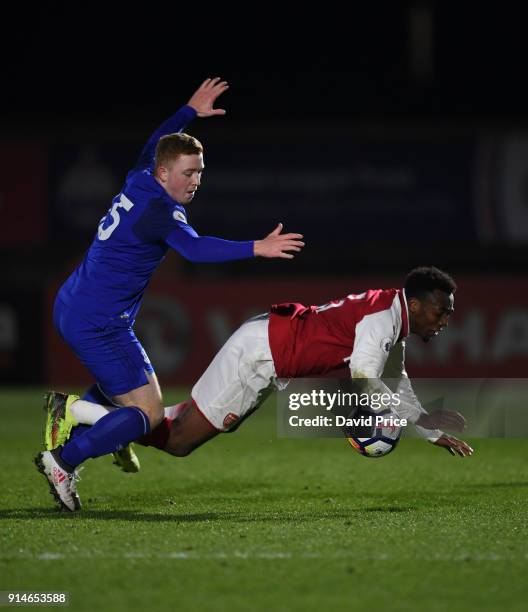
x=148 y=398
x=141 y=409
x=238 y=379
x=233 y=386
x=179 y=436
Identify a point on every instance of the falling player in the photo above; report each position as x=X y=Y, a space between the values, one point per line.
x=362 y=332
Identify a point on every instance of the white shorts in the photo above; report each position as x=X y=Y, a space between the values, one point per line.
x=236 y=381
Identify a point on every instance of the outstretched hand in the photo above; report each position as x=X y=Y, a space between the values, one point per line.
x=454 y=445
x=442 y=419
x=204 y=97
x=277 y=244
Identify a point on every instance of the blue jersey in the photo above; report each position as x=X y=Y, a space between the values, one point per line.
x=133 y=238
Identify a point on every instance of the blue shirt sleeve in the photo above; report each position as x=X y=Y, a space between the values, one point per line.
x=206 y=249
x=176 y=123
x=156 y=225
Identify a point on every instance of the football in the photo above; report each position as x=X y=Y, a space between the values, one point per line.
x=373 y=434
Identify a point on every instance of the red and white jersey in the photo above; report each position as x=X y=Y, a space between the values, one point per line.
x=357 y=331
x=365 y=332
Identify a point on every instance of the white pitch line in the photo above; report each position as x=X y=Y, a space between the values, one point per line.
x=251 y=555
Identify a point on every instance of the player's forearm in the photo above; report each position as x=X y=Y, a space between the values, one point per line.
x=207 y=249
x=404 y=402
x=373 y=385
x=175 y=123
x=412 y=410
x=431 y=435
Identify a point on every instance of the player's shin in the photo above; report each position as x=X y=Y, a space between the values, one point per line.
x=110 y=433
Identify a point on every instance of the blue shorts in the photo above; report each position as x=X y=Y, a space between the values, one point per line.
x=113 y=354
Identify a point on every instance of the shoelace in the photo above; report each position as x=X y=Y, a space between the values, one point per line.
x=74 y=478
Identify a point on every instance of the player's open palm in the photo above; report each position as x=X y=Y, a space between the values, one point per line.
x=204 y=97
x=278 y=245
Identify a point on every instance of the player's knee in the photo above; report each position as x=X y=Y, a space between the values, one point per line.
x=180 y=450
x=156 y=418
x=155 y=415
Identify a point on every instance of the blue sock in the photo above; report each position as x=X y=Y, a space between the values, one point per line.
x=78 y=430
x=112 y=432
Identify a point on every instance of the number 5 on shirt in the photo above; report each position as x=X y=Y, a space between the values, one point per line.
x=104 y=233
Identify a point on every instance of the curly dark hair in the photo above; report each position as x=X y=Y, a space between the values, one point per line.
x=426 y=279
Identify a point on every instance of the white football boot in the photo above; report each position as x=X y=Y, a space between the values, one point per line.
x=63 y=484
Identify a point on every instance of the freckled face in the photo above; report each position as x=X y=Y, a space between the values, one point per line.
x=181 y=178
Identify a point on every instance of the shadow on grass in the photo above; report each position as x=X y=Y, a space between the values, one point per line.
x=30 y=514
x=389 y=509
x=250 y=516
x=495 y=485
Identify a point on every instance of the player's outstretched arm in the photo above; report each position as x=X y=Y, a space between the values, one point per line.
x=454 y=445
x=442 y=419
x=201 y=104
x=204 y=97
x=447 y=419
x=278 y=245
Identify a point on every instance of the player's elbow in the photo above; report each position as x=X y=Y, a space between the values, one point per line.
x=193 y=253
x=188 y=254
x=357 y=373
x=362 y=372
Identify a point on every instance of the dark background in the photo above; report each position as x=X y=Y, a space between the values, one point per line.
x=390 y=59
x=391 y=135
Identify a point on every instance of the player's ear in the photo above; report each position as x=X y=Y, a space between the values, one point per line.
x=414 y=305
x=162 y=173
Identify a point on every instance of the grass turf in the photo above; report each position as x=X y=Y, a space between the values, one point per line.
x=250 y=521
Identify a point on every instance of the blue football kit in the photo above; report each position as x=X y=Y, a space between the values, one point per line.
x=96 y=307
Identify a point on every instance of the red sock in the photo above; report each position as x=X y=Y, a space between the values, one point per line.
x=157 y=437
x=175 y=411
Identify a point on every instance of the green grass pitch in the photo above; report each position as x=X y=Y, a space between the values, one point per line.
x=255 y=522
